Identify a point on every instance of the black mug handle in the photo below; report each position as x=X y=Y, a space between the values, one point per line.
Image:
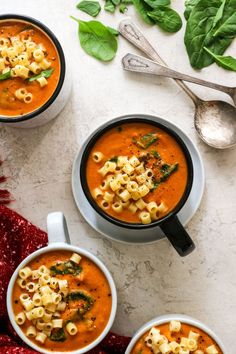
x=177 y=235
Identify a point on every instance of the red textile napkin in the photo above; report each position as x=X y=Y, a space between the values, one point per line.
x=19 y=238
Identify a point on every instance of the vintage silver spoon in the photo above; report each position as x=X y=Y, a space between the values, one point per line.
x=215 y=121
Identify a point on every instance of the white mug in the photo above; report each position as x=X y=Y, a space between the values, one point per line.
x=157 y=321
x=59 y=239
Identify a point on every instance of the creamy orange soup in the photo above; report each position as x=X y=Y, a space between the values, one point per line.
x=87 y=301
x=204 y=341
x=154 y=149
x=27 y=52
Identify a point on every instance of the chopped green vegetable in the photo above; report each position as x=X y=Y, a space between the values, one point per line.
x=155 y=185
x=45 y=73
x=58 y=335
x=167 y=171
x=155 y=154
x=79 y=295
x=123 y=8
x=91 y=7
x=66 y=268
x=146 y=140
x=226 y=62
x=166 y=18
x=209 y=25
x=114 y=159
x=5 y=76
x=97 y=40
x=109 y=6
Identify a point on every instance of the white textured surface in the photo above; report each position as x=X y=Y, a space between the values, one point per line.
x=151 y=280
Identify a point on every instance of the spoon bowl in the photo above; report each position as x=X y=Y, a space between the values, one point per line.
x=215 y=122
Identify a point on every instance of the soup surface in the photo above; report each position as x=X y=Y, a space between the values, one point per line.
x=71 y=301
x=137 y=172
x=186 y=337
x=29 y=68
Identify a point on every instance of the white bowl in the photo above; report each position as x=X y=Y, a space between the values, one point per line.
x=167 y=318
x=50 y=109
x=58 y=238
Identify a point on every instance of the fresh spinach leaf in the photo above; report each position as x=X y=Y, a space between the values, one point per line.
x=155 y=185
x=5 y=76
x=97 y=40
x=156 y=3
x=45 y=73
x=143 y=8
x=226 y=62
x=145 y=140
x=92 y=8
x=228 y=28
x=156 y=154
x=127 y=2
x=114 y=159
x=58 y=335
x=115 y=2
x=123 y=8
x=166 y=18
x=189 y=5
x=167 y=171
x=219 y=14
x=199 y=33
x=79 y=295
x=109 y=6
x=113 y=31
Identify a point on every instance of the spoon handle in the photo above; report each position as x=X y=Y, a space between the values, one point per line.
x=133 y=34
x=137 y=63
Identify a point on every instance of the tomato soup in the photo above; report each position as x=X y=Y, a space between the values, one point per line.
x=188 y=338
x=61 y=301
x=137 y=172
x=29 y=68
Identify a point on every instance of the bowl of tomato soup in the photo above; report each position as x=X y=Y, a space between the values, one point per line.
x=34 y=82
x=61 y=298
x=137 y=173
x=170 y=334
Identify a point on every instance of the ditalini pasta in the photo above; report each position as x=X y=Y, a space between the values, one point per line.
x=140 y=167
x=29 y=67
x=176 y=338
x=57 y=301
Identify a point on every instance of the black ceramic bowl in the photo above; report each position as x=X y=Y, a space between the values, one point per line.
x=170 y=223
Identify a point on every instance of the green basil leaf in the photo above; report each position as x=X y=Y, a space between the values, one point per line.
x=113 y=31
x=109 y=6
x=92 y=8
x=97 y=40
x=199 y=31
x=166 y=18
x=143 y=8
x=226 y=62
x=45 y=73
x=156 y=3
x=123 y=8
x=5 y=76
x=219 y=14
x=189 y=5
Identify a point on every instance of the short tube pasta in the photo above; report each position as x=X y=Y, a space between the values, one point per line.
x=20 y=318
x=98 y=156
x=117 y=207
x=31 y=332
x=145 y=217
x=71 y=328
x=25 y=273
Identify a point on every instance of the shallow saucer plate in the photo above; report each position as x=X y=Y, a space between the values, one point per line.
x=149 y=235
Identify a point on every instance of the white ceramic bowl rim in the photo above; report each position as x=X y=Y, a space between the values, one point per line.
x=50 y=34
x=53 y=247
x=178 y=317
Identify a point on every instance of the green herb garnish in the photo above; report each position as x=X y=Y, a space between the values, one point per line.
x=145 y=140
x=66 y=268
x=5 y=76
x=45 y=73
x=114 y=159
x=58 y=335
x=79 y=295
x=155 y=154
x=92 y=8
x=167 y=171
x=155 y=185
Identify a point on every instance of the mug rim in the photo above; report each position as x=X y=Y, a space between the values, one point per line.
x=156 y=321
x=55 y=41
x=63 y=246
x=132 y=118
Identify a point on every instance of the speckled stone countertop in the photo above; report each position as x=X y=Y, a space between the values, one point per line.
x=151 y=279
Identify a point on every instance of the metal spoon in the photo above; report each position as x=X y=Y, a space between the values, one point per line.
x=215 y=121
